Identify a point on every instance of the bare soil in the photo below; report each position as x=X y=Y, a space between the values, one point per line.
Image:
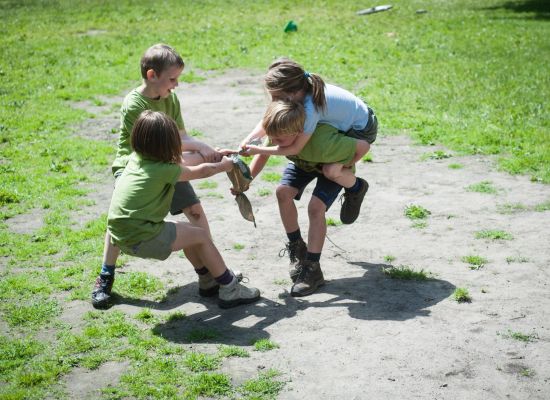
x=363 y=335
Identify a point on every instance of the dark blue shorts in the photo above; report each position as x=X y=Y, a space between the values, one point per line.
x=325 y=189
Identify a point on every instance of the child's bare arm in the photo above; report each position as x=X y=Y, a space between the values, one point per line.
x=257 y=164
x=257 y=133
x=189 y=143
x=290 y=150
x=204 y=170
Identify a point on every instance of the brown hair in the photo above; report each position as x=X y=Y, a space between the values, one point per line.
x=284 y=118
x=155 y=135
x=288 y=76
x=159 y=58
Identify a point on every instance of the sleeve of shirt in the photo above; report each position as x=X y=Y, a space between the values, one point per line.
x=177 y=111
x=312 y=117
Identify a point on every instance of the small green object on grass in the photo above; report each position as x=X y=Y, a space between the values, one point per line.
x=291 y=27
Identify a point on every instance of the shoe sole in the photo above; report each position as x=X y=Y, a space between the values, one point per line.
x=234 y=303
x=102 y=304
x=209 y=292
x=307 y=292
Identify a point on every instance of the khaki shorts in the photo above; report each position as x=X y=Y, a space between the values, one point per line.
x=158 y=248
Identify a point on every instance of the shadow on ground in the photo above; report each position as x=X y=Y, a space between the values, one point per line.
x=373 y=296
x=540 y=8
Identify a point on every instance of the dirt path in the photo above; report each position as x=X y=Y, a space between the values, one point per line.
x=364 y=335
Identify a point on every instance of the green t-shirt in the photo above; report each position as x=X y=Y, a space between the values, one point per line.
x=133 y=105
x=141 y=200
x=327 y=145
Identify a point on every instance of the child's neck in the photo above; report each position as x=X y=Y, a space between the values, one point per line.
x=148 y=92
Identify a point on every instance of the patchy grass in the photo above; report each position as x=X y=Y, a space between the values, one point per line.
x=543 y=206
x=264 y=345
x=462 y=295
x=264 y=387
x=475 y=262
x=333 y=222
x=519 y=336
x=367 y=158
x=263 y=192
x=225 y=351
x=389 y=258
x=414 y=211
x=405 y=272
x=272 y=177
x=206 y=184
x=455 y=166
x=435 y=155
x=511 y=208
x=238 y=246
x=493 y=235
x=482 y=187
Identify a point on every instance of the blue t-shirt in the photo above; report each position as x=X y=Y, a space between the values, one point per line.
x=344 y=111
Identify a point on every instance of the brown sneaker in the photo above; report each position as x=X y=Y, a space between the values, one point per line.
x=101 y=295
x=309 y=278
x=352 y=203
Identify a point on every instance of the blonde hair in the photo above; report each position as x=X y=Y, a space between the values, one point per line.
x=159 y=58
x=284 y=118
x=156 y=136
x=285 y=75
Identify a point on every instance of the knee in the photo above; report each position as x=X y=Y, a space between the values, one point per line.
x=195 y=212
x=284 y=193
x=331 y=171
x=316 y=209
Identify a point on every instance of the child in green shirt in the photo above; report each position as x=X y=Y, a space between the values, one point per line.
x=160 y=67
x=142 y=198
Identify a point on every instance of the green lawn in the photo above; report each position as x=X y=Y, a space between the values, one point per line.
x=472 y=75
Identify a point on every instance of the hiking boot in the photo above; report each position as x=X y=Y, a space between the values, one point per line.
x=101 y=295
x=352 y=203
x=208 y=286
x=296 y=252
x=309 y=278
x=235 y=293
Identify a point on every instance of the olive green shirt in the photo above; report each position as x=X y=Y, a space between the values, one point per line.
x=133 y=105
x=327 y=145
x=141 y=200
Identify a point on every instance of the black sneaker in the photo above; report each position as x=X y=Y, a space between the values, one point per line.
x=101 y=295
x=310 y=277
x=352 y=203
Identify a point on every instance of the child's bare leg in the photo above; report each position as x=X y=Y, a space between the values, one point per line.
x=196 y=216
x=196 y=240
x=340 y=174
x=110 y=251
x=317 y=225
x=231 y=292
x=287 y=208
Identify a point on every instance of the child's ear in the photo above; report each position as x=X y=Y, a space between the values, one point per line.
x=151 y=74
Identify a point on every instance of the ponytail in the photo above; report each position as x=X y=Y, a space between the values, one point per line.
x=285 y=75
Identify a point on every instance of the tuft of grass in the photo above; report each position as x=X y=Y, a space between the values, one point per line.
x=195 y=133
x=482 y=187
x=406 y=273
x=208 y=384
x=263 y=192
x=333 y=222
x=198 y=362
x=475 y=262
x=414 y=211
x=518 y=259
x=367 y=158
x=225 y=351
x=207 y=184
x=455 y=166
x=264 y=345
x=435 y=155
x=519 y=336
x=511 y=208
x=238 y=246
x=281 y=282
x=389 y=258
x=461 y=295
x=147 y=316
x=176 y=316
x=493 y=235
x=543 y=206
x=263 y=387
x=419 y=224
x=272 y=177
